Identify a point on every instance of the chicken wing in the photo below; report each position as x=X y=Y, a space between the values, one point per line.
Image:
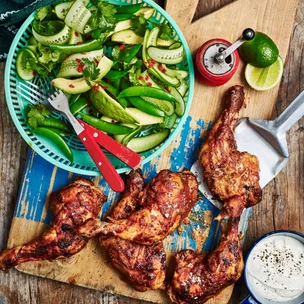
x=143 y=266
x=198 y=277
x=71 y=206
x=165 y=203
x=232 y=176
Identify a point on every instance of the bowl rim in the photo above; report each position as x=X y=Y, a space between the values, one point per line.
x=145 y=160
x=254 y=245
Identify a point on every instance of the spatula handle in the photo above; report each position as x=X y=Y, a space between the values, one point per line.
x=290 y=115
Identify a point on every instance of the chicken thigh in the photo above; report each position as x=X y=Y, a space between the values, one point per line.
x=165 y=203
x=143 y=266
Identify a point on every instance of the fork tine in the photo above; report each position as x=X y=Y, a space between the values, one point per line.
x=28 y=99
x=34 y=85
x=30 y=94
x=23 y=86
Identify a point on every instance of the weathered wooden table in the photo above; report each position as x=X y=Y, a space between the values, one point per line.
x=282 y=206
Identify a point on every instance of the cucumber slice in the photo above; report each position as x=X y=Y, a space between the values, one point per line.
x=183 y=88
x=145 y=78
x=62 y=9
x=180 y=104
x=59 y=38
x=75 y=37
x=150 y=39
x=165 y=43
x=146 y=12
x=22 y=64
x=173 y=56
x=141 y=144
x=143 y=118
x=166 y=106
x=173 y=73
x=77 y=16
x=130 y=136
x=127 y=37
x=170 y=121
x=69 y=67
x=175 y=45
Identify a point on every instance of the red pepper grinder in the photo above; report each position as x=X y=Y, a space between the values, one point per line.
x=217 y=59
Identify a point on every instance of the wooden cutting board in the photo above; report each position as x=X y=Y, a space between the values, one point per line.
x=90 y=268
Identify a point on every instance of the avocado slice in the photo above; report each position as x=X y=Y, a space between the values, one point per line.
x=75 y=86
x=127 y=37
x=146 y=12
x=108 y=106
x=80 y=85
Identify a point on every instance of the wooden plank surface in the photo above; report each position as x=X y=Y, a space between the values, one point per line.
x=281 y=208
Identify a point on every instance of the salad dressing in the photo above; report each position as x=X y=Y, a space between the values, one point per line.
x=275 y=268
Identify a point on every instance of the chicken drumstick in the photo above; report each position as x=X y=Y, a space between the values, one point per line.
x=198 y=277
x=71 y=206
x=231 y=175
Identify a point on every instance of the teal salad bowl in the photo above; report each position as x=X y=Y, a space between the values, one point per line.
x=83 y=164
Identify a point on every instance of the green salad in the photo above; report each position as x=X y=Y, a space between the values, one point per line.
x=119 y=69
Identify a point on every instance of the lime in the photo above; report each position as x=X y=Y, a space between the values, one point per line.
x=260 y=52
x=263 y=79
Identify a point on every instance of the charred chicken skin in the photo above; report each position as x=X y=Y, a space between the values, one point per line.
x=71 y=206
x=165 y=203
x=143 y=266
x=198 y=277
x=232 y=176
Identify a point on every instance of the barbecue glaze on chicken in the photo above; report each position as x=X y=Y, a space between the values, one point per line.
x=232 y=176
x=198 y=277
x=165 y=203
x=71 y=206
x=143 y=266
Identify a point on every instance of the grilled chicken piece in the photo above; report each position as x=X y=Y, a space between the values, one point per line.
x=71 y=206
x=198 y=277
x=165 y=203
x=232 y=176
x=143 y=266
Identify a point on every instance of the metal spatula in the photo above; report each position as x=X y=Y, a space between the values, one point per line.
x=264 y=138
x=267 y=139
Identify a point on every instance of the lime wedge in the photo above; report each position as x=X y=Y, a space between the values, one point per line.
x=262 y=79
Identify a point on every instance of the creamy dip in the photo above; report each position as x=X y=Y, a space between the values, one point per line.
x=275 y=268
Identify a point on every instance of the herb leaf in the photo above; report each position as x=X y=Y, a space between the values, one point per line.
x=166 y=32
x=36 y=115
x=90 y=71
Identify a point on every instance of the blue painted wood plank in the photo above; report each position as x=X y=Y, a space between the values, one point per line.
x=41 y=178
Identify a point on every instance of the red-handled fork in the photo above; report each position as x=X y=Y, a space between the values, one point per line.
x=126 y=155
x=60 y=103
